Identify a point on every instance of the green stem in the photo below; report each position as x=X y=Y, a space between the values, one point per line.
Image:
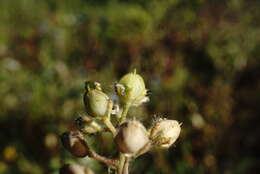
x=107 y=120
x=121 y=163
x=122 y=158
x=124 y=112
x=126 y=165
x=110 y=126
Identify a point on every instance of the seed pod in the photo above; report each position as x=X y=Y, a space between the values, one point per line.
x=131 y=89
x=131 y=137
x=75 y=169
x=96 y=102
x=88 y=125
x=165 y=132
x=74 y=142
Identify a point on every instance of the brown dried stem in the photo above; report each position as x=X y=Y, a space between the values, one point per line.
x=103 y=159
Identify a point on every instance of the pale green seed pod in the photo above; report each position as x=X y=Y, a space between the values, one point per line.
x=131 y=89
x=75 y=143
x=75 y=169
x=96 y=101
x=165 y=132
x=131 y=137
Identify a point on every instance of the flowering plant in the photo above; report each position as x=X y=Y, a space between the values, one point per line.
x=130 y=136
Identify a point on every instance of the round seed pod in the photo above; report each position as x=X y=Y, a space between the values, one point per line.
x=75 y=169
x=165 y=132
x=75 y=143
x=131 y=89
x=131 y=137
x=96 y=102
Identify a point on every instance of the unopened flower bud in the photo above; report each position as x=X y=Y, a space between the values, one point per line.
x=131 y=89
x=96 y=101
x=131 y=137
x=75 y=143
x=92 y=85
x=88 y=125
x=165 y=132
x=75 y=169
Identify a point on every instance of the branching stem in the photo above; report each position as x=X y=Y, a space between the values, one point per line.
x=107 y=161
x=110 y=126
x=106 y=119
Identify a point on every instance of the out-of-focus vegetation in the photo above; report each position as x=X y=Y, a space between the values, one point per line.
x=200 y=58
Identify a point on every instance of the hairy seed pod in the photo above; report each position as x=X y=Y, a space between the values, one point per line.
x=75 y=143
x=96 y=101
x=75 y=169
x=165 y=132
x=131 y=89
x=131 y=137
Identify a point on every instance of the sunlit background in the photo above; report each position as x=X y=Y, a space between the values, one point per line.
x=200 y=59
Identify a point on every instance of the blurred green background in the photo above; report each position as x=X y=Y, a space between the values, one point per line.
x=200 y=59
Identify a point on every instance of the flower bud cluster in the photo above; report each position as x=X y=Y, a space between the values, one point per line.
x=130 y=136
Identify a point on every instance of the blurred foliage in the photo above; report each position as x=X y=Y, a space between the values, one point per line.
x=201 y=60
